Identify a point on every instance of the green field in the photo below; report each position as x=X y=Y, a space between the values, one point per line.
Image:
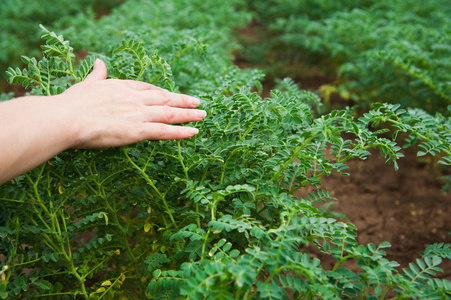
x=216 y=216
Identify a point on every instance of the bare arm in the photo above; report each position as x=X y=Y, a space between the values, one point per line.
x=96 y=113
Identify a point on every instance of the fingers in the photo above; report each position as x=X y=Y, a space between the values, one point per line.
x=99 y=72
x=158 y=131
x=163 y=97
x=173 y=115
x=141 y=86
x=149 y=93
x=152 y=95
x=147 y=109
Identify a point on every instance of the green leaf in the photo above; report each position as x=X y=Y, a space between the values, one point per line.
x=234 y=253
x=43 y=284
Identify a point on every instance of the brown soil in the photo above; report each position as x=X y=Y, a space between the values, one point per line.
x=404 y=207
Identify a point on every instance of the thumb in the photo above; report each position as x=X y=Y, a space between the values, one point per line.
x=99 y=71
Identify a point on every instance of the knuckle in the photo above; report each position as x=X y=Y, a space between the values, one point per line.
x=165 y=97
x=139 y=135
x=161 y=131
x=185 y=100
x=169 y=114
x=115 y=82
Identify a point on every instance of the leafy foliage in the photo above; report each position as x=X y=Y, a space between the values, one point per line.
x=19 y=31
x=391 y=51
x=213 y=216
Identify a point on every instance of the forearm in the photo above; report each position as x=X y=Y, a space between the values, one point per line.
x=32 y=130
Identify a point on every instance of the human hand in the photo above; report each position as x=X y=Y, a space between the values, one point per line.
x=110 y=112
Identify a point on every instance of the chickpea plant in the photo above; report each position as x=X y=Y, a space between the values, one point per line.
x=397 y=51
x=213 y=216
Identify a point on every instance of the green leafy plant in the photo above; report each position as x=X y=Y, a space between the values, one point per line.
x=390 y=51
x=19 y=31
x=213 y=216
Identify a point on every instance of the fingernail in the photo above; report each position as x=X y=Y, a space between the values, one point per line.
x=194 y=101
x=200 y=114
x=194 y=131
x=97 y=62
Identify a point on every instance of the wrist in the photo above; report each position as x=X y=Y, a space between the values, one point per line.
x=65 y=117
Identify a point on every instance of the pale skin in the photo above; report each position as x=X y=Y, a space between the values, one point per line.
x=95 y=113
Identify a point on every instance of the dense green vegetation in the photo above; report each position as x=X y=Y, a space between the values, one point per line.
x=19 y=33
x=214 y=216
x=390 y=51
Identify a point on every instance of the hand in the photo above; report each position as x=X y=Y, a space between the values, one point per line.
x=110 y=112
x=95 y=113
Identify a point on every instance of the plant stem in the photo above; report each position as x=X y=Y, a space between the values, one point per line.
x=150 y=182
x=385 y=292
x=185 y=170
x=293 y=156
x=180 y=158
x=80 y=279
x=106 y=291
x=205 y=243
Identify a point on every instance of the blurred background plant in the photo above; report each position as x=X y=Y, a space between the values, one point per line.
x=19 y=30
x=388 y=51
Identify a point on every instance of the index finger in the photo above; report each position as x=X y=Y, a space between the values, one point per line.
x=163 y=97
x=141 y=86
